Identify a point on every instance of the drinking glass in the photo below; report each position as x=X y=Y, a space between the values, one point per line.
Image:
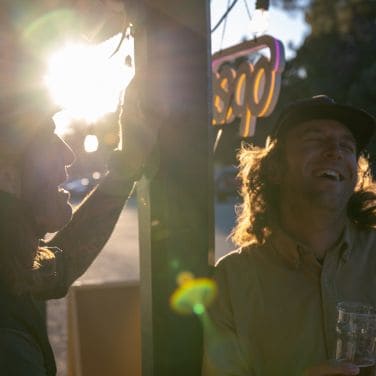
x=356 y=335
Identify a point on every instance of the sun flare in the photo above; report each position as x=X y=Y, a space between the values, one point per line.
x=86 y=81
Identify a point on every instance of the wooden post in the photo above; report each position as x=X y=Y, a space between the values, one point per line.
x=176 y=203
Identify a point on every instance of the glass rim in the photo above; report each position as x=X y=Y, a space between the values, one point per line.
x=351 y=308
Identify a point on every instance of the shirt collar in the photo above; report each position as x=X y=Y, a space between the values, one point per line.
x=286 y=246
x=293 y=251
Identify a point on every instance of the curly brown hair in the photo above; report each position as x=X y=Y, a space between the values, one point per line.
x=260 y=194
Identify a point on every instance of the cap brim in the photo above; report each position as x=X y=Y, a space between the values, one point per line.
x=361 y=124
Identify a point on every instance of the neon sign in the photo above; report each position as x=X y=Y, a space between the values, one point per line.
x=250 y=90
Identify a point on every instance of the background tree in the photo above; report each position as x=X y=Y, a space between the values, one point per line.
x=338 y=57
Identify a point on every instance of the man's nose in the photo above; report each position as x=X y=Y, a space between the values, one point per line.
x=67 y=154
x=333 y=150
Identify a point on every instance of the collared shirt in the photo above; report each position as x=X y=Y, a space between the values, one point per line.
x=276 y=307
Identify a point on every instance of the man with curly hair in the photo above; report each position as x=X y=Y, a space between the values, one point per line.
x=307 y=241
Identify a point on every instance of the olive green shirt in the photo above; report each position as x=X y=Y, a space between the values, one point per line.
x=276 y=308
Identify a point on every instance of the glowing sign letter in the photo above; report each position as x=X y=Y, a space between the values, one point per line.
x=223 y=84
x=247 y=92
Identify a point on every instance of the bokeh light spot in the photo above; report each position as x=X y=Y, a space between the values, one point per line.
x=194 y=295
x=199 y=309
x=175 y=264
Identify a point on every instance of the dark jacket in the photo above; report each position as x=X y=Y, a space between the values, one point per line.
x=24 y=345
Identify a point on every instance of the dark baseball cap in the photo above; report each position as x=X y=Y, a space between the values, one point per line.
x=361 y=124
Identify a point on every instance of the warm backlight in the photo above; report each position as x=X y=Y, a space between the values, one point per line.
x=86 y=81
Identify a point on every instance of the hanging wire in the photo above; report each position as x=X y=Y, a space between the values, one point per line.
x=248 y=11
x=224 y=27
x=224 y=16
x=223 y=19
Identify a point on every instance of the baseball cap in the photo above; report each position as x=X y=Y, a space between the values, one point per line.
x=360 y=123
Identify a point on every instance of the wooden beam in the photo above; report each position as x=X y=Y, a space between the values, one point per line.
x=176 y=203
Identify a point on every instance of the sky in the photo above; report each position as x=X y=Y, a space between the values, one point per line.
x=286 y=26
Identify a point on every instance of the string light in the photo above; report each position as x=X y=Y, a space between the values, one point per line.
x=260 y=19
x=262 y=4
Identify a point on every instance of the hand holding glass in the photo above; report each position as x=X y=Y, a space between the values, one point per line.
x=356 y=336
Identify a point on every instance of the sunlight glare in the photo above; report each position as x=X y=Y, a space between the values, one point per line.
x=91 y=143
x=86 y=81
x=63 y=122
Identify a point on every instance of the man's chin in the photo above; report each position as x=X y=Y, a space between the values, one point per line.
x=334 y=201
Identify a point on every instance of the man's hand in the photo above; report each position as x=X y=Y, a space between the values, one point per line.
x=140 y=123
x=331 y=368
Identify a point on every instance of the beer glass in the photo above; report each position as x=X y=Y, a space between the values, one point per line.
x=356 y=336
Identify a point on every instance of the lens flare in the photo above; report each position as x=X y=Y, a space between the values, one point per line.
x=194 y=295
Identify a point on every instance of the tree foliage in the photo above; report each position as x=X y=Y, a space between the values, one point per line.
x=338 y=57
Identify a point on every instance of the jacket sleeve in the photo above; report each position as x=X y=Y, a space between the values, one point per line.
x=19 y=354
x=78 y=243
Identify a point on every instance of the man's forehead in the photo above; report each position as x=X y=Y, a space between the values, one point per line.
x=322 y=126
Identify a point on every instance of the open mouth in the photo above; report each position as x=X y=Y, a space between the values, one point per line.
x=330 y=174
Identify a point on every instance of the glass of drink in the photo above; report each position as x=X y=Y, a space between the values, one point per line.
x=356 y=336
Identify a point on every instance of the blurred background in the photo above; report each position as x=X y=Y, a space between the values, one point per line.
x=330 y=48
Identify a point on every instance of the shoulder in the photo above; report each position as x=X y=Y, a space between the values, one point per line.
x=236 y=275
x=362 y=235
x=362 y=244
x=239 y=257
x=237 y=265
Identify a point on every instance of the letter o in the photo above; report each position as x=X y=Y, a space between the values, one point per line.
x=261 y=98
